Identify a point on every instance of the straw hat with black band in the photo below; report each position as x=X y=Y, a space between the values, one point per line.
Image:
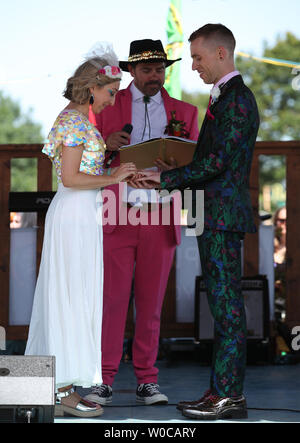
x=146 y=51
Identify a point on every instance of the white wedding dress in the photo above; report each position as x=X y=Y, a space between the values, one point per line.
x=67 y=310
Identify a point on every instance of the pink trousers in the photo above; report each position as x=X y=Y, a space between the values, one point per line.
x=151 y=249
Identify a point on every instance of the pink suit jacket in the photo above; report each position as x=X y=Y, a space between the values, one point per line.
x=113 y=118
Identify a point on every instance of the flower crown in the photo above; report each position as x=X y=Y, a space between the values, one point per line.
x=104 y=51
x=111 y=71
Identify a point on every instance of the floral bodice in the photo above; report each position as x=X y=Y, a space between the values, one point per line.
x=73 y=129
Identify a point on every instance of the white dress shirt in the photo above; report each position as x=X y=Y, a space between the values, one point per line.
x=141 y=132
x=156 y=112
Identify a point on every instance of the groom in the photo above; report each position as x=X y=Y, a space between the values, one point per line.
x=221 y=167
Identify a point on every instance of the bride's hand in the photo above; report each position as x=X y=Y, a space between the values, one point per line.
x=146 y=180
x=124 y=172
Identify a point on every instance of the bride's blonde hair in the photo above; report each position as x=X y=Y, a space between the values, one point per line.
x=86 y=76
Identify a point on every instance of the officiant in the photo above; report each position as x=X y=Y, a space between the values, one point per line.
x=146 y=251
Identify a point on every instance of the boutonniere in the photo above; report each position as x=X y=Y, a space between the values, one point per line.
x=176 y=127
x=215 y=94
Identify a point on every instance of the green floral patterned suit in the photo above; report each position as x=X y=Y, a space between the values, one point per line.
x=221 y=167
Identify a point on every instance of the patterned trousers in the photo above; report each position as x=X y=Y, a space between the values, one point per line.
x=220 y=254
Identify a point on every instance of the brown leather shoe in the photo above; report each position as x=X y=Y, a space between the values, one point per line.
x=218 y=408
x=190 y=404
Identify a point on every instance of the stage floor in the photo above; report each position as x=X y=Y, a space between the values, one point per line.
x=272 y=392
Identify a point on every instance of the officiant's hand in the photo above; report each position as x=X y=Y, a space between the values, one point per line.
x=117 y=139
x=163 y=166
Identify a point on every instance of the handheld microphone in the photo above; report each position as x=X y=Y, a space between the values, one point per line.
x=126 y=128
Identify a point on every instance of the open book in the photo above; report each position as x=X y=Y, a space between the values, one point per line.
x=145 y=153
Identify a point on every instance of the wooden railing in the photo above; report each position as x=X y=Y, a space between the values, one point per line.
x=169 y=328
x=44 y=183
x=291 y=150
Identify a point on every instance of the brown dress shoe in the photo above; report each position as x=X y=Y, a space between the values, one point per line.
x=218 y=408
x=190 y=404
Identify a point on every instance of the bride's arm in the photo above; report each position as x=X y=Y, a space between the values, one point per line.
x=73 y=178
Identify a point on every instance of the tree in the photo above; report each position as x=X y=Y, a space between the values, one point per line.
x=278 y=101
x=199 y=100
x=18 y=127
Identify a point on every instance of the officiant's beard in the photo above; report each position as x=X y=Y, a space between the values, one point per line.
x=152 y=88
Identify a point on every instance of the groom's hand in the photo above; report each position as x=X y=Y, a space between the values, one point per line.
x=146 y=180
x=164 y=166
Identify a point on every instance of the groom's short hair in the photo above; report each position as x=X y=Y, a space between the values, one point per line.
x=218 y=33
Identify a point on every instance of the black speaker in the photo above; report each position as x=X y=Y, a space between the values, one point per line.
x=30 y=201
x=256 y=296
x=27 y=389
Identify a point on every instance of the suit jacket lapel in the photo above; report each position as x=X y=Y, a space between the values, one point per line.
x=167 y=103
x=234 y=81
x=125 y=106
x=224 y=90
x=204 y=123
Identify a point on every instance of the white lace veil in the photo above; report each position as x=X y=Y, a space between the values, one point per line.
x=105 y=52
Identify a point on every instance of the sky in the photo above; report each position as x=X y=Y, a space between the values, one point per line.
x=42 y=42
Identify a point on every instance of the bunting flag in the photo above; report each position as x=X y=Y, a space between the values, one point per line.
x=272 y=61
x=174 y=48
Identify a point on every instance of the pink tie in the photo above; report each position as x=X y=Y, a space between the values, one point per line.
x=210 y=116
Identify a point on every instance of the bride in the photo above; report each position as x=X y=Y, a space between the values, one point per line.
x=67 y=309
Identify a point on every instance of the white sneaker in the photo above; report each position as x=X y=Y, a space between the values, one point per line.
x=102 y=395
x=149 y=394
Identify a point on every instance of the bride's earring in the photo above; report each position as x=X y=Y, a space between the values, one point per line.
x=92 y=99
